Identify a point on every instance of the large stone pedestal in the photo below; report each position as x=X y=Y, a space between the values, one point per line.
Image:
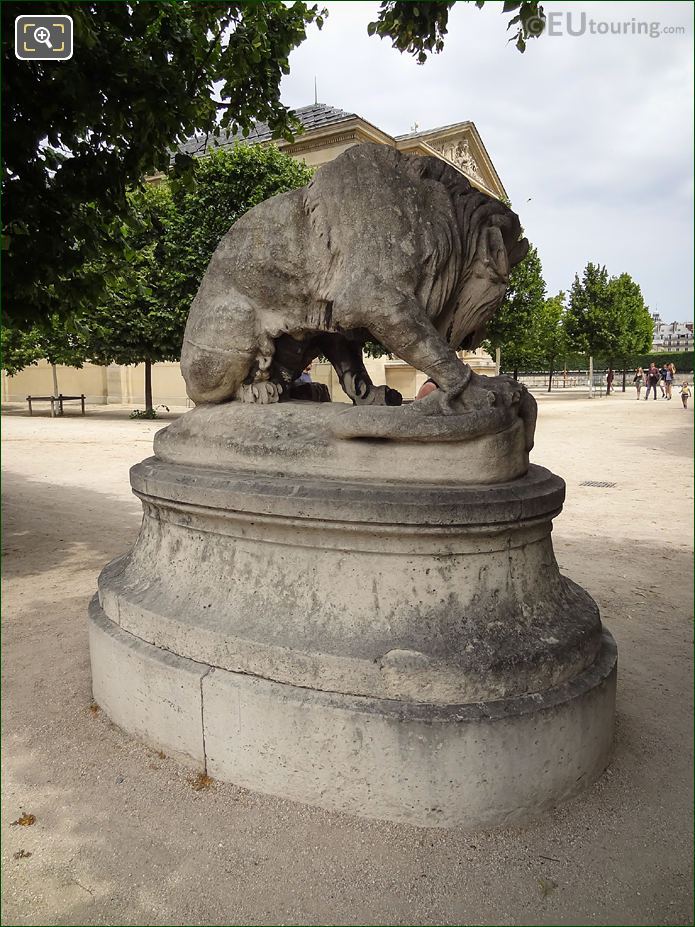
x=360 y=625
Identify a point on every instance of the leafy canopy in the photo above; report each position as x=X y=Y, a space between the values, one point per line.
x=77 y=134
x=511 y=329
x=171 y=234
x=53 y=339
x=419 y=27
x=226 y=184
x=548 y=333
x=607 y=317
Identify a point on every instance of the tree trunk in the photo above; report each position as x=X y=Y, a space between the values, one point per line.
x=624 y=377
x=609 y=383
x=148 y=385
x=55 y=379
x=516 y=373
x=550 y=376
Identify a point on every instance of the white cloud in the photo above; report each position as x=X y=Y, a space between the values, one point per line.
x=596 y=129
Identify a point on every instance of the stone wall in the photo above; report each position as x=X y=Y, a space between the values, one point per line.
x=126 y=385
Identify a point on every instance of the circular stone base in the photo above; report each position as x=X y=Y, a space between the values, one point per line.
x=473 y=765
x=378 y=627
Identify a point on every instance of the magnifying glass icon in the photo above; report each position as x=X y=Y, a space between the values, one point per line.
x=43 y=35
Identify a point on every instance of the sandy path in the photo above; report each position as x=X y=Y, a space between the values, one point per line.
x=121 y=837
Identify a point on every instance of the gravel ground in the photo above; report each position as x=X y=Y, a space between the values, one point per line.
x=124 y=835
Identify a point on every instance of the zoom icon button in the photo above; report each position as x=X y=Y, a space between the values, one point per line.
x=43 y=38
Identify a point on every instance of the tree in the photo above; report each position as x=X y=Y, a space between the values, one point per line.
x=53 y=339
x=511 y=329
x=170 y=233
x=142 y=80
x=634 y=319
x=134 y=322
x=606 y=317
x=78 y=134
x=419 y=28
x=588 y=321
x=548 y=334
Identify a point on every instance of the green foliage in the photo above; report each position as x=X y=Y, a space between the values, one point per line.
x=53 y=339
x=134 y=320
x=635 y=324
x=606 y=317
x=511 y=329
x=79 y=134
x=548 y=332
x=144 y=413
x=419 y=27
x=682 y=360
x=169 y=235
x=588 y=313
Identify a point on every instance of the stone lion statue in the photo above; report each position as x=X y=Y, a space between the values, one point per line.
x=379 y=245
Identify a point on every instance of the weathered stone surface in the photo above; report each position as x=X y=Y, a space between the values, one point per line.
x=422 y=593
x=387 y=637
x=297 y=438
x=470 y=765
x=152 y=693
x=380 y=245
x=357 y=608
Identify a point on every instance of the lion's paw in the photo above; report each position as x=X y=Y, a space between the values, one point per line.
x=261 y=392
x=505 y=391
x=379 y=396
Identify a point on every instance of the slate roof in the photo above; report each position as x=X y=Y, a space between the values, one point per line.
x=316 y=116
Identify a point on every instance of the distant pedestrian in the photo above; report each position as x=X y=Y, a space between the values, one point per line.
x=610 y=376
x=638 y=380
x=685 y=394
x=653 y=378
x=670 y=379
x=305 y=375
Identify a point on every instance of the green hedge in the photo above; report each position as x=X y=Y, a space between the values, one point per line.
x=683 y=360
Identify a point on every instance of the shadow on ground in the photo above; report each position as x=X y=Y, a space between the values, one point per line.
x=48 y=526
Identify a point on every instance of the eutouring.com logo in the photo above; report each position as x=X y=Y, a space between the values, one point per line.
x=568 y=22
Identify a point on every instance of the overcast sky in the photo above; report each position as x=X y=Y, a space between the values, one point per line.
x=595 y=130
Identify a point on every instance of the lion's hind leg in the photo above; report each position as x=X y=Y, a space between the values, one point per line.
x=345 y=357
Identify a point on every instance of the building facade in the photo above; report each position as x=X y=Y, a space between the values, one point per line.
x=672 y=336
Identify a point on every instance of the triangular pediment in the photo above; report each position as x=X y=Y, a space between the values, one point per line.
x=460 y=145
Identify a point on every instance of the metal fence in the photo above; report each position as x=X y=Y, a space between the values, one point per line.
x=563 y=380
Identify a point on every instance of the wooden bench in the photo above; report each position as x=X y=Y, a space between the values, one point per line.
x=55 y=401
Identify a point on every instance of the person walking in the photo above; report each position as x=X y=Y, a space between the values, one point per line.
x=653 y=378
x=638 y=380
x=668 y=379
x=609 y=381
x=662 y=380
x=685 y=394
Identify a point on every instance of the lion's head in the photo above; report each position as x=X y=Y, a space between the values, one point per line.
x=478 y=274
